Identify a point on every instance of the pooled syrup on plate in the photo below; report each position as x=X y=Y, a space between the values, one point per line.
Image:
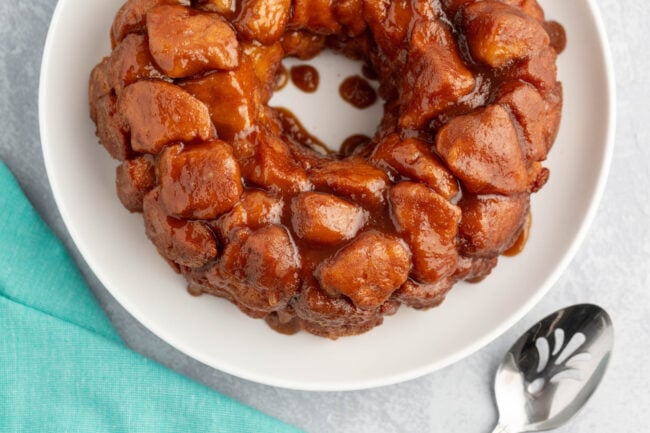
x=293 y=128
x=305 y=77
x=357 y=92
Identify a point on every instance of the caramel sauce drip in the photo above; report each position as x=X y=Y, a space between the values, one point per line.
x=289 y=327
x=352 y=142
x=557 y=34
x=194 y=290
x=292 y=127
x=358 y=92
x=521 y=241
x=305 y=77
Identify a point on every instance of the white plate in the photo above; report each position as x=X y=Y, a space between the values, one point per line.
x=409 y=344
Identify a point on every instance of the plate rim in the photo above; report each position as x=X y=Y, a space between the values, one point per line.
x=247 y=374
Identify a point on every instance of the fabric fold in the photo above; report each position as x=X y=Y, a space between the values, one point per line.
x=63 y=368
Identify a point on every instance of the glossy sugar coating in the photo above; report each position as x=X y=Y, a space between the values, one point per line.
x=324 y=242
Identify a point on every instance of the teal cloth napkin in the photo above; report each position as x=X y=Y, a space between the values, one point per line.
x=63 y=368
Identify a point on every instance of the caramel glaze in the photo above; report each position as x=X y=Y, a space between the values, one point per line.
x=293 y=128
x=378 y=216
x=353 y=142
x=282 y=78
x=286 y=326
x=357 y=92
x=305 y=77
x=557 y=34
x=522 y=239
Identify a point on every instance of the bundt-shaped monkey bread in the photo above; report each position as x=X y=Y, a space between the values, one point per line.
x=326 y=242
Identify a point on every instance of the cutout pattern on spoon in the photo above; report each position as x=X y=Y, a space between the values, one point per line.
x=559 y=362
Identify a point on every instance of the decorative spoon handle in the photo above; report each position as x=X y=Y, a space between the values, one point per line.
x=503 y=428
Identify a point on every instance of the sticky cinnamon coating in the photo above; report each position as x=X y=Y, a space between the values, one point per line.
x=249 y=207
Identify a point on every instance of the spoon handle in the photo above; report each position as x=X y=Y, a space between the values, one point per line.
x=503 y=428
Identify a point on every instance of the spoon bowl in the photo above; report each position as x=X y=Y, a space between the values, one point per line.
x=553 y=369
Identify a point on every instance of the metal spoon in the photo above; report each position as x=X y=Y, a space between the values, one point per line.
x=553 y=369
